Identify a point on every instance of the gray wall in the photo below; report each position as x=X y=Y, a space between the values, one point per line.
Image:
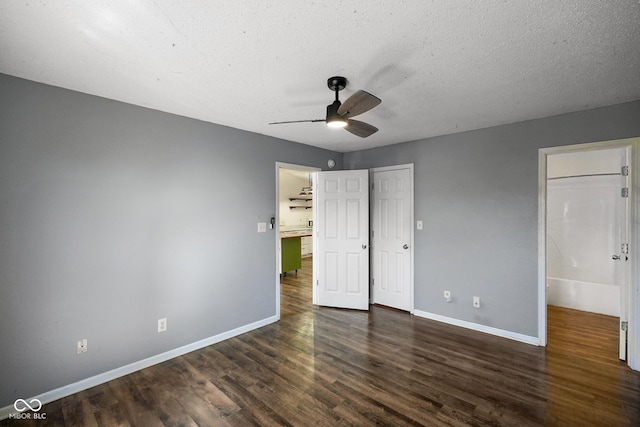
x=113 y=216
x=477 y=193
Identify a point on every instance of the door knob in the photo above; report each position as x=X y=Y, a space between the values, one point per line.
x=364 y=246
x=405 y=246
x=616 y=257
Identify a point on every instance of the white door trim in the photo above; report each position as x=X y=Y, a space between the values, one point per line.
x=282 y=165
x=633 y=146
x=409 y=166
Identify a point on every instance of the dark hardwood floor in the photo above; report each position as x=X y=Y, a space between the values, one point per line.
x=328 y=367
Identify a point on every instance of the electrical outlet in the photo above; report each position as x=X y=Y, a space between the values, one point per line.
x=419 y=225
x=162 y=324
x=81 y=346
x=447 y=296
x=476 y=302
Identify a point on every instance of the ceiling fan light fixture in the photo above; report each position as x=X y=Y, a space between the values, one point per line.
x=338 y=123
x=335 y=120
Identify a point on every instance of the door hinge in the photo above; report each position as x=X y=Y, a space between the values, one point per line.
x=624 y=326
x=625 y=248
x=317 y=282
x=372 y=185
x=625 y=171
x=625 y=192
x=372 y=231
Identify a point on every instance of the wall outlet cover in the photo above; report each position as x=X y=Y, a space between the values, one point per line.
x=82 y=346
x=162 y=324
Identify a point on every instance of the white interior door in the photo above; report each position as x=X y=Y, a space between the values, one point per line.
x=341 y=247
x=391 y=240
x=622 y=257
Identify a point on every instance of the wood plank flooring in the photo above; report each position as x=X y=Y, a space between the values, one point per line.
x=328 y=367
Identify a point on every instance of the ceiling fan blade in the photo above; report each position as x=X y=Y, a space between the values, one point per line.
x=358 y=103
x=360 y=129
x=298 y=121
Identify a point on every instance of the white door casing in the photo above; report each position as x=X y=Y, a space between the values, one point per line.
x=341 y=245
x=622 y=263
x=391 y=236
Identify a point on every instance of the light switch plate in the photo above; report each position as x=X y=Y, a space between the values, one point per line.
x=262 y=227
x=419 y=225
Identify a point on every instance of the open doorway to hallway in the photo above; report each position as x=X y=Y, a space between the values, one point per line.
x=294 y=227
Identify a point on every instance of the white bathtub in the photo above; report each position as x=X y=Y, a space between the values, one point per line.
x=593 y=297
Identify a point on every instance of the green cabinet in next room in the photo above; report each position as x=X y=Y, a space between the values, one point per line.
x=291 y=254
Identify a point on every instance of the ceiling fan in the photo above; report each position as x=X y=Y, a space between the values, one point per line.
x=339 y=114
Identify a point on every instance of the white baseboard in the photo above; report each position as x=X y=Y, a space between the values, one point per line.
x=87 y=383
x=480 y=328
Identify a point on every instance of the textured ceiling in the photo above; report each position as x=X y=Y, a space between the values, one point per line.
x=439 y=66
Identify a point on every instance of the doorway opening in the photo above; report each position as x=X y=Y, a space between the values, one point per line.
x=294 y=235
x=341 y=205
x=584 y=240
x=586 y=230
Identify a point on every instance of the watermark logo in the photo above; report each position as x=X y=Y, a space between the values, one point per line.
x=22 y=406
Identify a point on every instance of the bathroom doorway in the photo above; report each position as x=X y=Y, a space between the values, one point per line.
x=587 y=239
x=586 y=226
x=586 y=200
